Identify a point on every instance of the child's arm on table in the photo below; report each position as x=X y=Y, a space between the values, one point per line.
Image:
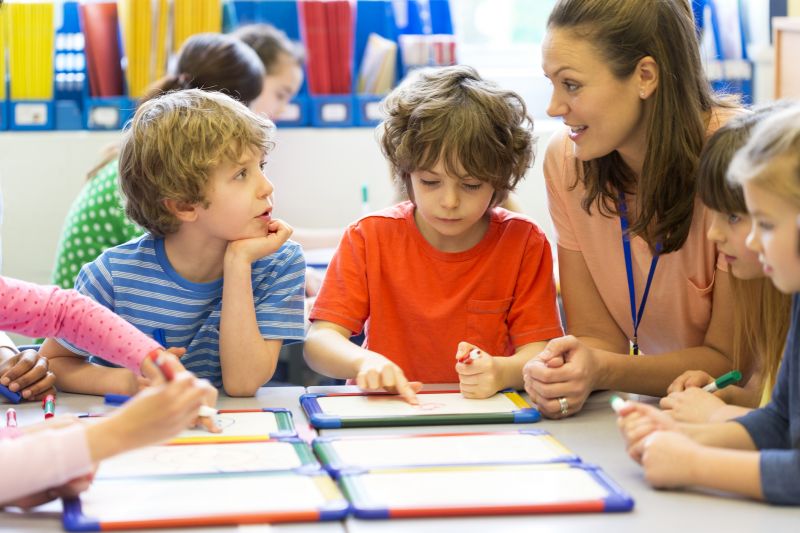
x=74 y=373
x=328 y=350
x=637 y=421
x=484 y=376
x=672 y=459
x=248 y=360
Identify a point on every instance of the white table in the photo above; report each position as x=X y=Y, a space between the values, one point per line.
x=286 y=397
x=594 y=436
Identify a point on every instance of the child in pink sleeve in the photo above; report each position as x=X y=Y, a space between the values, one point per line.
x=59 y=454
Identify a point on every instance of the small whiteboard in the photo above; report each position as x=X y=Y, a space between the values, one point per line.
x=327 y=411
x=246 y=425
x=508 y=447
x=204 y=500
x=208 y=459
x=483 y=490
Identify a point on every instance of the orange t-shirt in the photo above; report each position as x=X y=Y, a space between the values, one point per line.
x=678 y=309
x=417 y=303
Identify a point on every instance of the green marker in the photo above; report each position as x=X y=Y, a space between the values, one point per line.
x=617 y=403
x=723 y=381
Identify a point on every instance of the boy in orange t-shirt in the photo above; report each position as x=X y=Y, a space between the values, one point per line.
x=448 y=271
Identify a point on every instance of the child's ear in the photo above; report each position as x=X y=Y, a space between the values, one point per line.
x=183 y=211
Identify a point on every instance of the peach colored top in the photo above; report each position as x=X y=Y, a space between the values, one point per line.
x=678 y=309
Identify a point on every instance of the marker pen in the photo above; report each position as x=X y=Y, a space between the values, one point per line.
x=157 y=358
x=49 y=406
x=617 y=403
x=119 y=399
x=469 y=357
x=365 y=199
x=723 y=381
x=13 y=397
x=11 y=418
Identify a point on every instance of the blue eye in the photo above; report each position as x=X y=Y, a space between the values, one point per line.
x=570 y=87
x=733 y=218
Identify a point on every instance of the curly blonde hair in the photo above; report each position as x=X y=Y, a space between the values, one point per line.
x=173 y=143
x=451 y=114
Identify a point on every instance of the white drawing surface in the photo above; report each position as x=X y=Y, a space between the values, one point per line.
x=201 y=459
x=380 y=406
x=480 y=486
x=249 y=424
x=448 y=449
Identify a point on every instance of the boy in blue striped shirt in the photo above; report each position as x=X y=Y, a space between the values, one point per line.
x=214 y=274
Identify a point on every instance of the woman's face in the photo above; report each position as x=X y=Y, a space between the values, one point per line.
x=280 y=86
x=604 y=113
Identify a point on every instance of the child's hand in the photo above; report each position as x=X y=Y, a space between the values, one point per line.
x=690 y=378
x=669 y=459
x=152 y=416
x=691 y=405
x=28 y=372
x=636 y=421
x=170 y=356
x=377 y=373
x=477 y=375
x=250 y=250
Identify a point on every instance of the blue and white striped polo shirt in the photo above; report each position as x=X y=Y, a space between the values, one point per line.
x=136 y=281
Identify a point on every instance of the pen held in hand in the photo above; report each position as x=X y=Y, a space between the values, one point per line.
x=723 y=381
x=119 y=399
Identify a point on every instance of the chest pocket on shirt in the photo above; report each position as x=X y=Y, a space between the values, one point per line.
x=487 y=324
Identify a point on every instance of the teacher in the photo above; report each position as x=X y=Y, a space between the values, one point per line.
x=637 y=274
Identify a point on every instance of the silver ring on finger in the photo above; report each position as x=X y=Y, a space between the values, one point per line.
x=564 y=405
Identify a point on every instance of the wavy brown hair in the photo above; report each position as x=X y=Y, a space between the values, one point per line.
x=476 y=128
x=761 y=312
x=624 y=32
x=171 y=146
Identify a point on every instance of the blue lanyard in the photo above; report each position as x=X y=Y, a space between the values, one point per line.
x=626 y=249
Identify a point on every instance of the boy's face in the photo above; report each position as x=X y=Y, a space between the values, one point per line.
x=450 y=210
x=774 y=233
x=240 y=199
x=729 y=232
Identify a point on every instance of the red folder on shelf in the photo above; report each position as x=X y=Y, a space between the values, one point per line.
x=101 y=31
x=327 y=31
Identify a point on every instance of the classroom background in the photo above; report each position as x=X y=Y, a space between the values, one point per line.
x=326 y=145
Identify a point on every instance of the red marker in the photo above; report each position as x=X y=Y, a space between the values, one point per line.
x=470 y=356
x=11 y=418
x=157 y=358
x=49 y=406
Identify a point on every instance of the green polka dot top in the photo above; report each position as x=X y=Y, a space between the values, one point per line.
x=96 y=221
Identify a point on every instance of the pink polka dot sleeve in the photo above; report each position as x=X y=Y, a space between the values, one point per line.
x=40 y=311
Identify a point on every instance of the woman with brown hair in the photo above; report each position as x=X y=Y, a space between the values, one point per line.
x=636 y=270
